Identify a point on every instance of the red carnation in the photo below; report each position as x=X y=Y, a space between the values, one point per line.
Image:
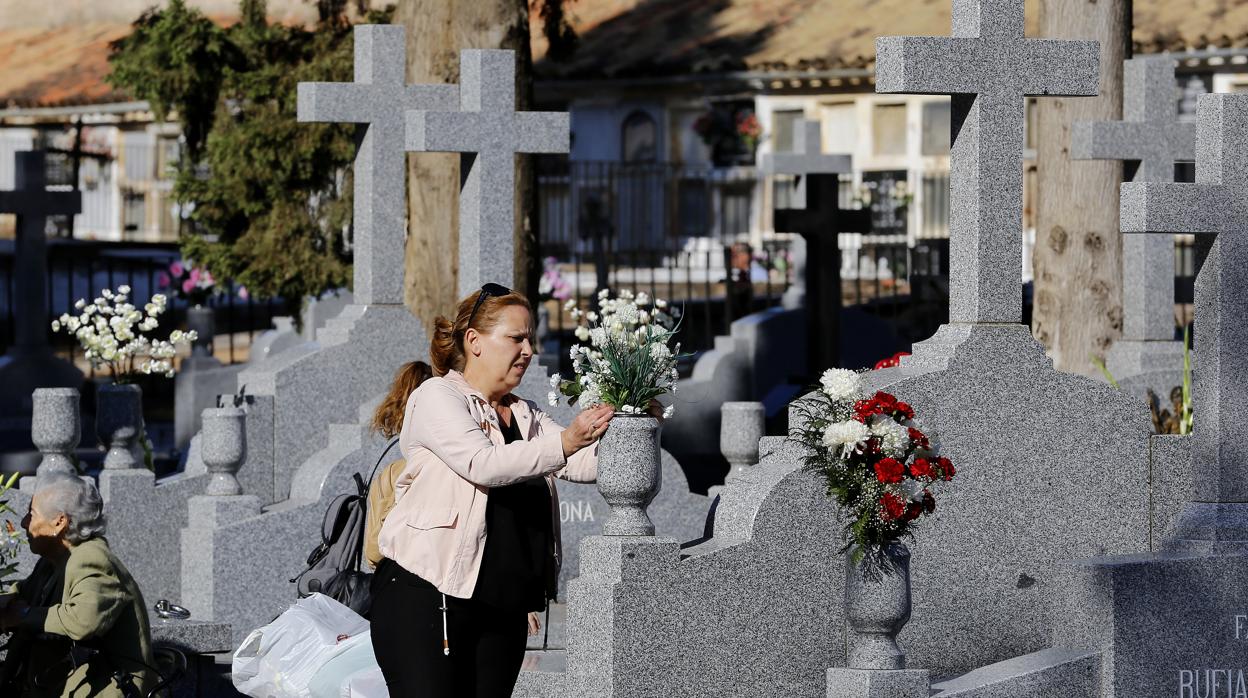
x=889 y=470
x=929 y=502
x=921 y=469
x=894 y=506
x=913 y=511
x=946 y=467
x=905 y=409
x=919 y=438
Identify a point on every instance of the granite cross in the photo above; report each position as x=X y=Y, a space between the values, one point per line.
x=1151 y=134
x=32 y=203
x=490 y=129
x=379 y=97
x=988 y=67
x=819 y=224
x=1217 y=204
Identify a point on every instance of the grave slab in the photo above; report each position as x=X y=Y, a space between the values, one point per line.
x=1169 y=625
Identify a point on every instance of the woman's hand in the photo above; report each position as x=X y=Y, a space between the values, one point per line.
x=535 y=623
x=655 y=410
x=586 y=428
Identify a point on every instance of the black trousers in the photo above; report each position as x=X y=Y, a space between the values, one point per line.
x=487 y=644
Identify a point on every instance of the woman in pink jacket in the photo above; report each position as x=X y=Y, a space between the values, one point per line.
x=472 y=544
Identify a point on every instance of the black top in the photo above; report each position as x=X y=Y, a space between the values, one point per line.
x=518 y=563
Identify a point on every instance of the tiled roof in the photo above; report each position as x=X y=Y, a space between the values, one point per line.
x=58 y=67
x=67 y=65
x=631 y=38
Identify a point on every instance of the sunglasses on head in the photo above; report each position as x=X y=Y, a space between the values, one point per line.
x=487 y=290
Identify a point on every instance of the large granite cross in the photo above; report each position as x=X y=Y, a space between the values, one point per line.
x=1151 y=134
x=1216 y=518
x=988 y=67
x=489 y=127
x=29 y=363
x=819 y=223
x=379 y=97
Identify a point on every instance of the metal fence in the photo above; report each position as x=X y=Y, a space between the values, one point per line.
x=80 y=269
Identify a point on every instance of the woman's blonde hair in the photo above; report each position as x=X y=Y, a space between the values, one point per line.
x=388 y=419
x=446 y=348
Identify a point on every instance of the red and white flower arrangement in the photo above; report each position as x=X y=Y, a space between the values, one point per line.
x=882 y=466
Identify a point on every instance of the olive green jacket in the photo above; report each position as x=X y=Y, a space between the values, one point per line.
x=100 y=609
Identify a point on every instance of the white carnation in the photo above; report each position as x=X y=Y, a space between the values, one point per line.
x=894 y=438
x=841 y=384
x=669 y=411
x=553 y=398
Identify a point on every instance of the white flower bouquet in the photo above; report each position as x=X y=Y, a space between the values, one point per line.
x=626 y=359
x=114 y=333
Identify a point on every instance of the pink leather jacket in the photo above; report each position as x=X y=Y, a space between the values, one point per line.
x=455 y=453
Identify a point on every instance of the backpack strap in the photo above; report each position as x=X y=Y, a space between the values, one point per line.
x=373 y=474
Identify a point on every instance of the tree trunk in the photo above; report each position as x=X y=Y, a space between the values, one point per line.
x=1078 y=255
x=436 y=31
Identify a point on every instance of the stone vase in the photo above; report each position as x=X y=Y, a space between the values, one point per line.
x=877 y=606
x=119 y=423
x=201 y=319
x=224 y=444
x=740 y=428
x=55 y=429
x=629 y=473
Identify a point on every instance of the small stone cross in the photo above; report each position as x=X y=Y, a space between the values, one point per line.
x=488 y=126
x=819 y=224
x=1217 y=204
x=379 y=97
x=1151 y=134
x=988 y=67
x=32 y=203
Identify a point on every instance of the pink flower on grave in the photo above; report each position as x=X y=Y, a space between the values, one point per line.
x=176 y=268
x=188 y=285
x=163 y=281
x=243 y=293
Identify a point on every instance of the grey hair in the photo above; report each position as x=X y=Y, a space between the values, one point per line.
x=78 y=500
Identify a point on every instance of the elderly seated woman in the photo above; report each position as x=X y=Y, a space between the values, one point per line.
x=79 y=623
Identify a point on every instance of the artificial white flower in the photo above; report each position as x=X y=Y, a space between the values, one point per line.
x=582 y=333
x=80 y=303
x=642 y=298
x=123 y=289
x=553 y=398
x=669 y=411
x=841 y=384
x=56 y=325
x=845 y=435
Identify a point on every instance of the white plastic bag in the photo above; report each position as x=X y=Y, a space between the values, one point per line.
x=281 y=659
x=366 y=684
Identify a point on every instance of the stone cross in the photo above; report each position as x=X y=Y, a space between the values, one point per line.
x=1151 y=134
x=379 y=97
x=988 y=67
x=819 y=224
x=488 y=127
x=1216 y=518
x=32 y=203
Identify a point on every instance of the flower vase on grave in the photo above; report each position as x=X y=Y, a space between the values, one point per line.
x=877 y=606
x=202 y=320
x=224 y=447
x=119 y=423
x=629 y=472
x=740 y=428
x=55 y=429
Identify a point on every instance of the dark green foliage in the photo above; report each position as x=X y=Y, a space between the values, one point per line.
x=269 y=199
